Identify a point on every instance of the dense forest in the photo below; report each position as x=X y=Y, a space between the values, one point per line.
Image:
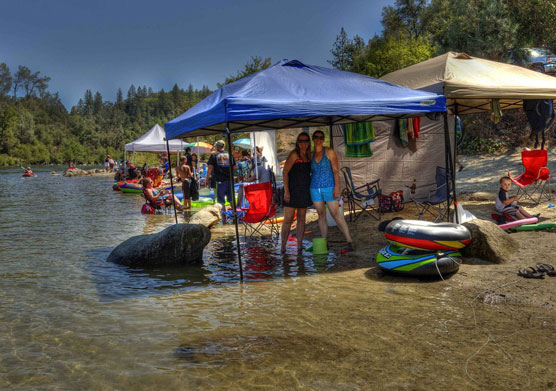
x=36 y=128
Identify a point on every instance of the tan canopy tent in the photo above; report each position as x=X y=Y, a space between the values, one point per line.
x=470 y=83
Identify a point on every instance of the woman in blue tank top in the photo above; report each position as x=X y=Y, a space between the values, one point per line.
x=325 y=187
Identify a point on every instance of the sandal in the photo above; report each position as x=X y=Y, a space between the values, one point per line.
x=530 y=272
x=546 y=268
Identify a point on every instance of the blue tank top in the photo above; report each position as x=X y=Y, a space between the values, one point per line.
x=321 y=173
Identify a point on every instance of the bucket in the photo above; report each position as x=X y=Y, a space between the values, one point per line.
x=319 y=246
x=329 y=219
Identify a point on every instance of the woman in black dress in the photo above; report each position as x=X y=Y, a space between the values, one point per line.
x=297 y=178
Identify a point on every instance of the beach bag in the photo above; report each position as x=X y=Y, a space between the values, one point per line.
x=392 y=202
x=147 y=209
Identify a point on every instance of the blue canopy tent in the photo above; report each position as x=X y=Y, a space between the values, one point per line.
x=291 y=94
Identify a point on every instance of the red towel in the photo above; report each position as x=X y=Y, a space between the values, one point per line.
x=416 y=126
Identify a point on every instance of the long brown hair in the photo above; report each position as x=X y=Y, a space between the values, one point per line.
x=298 y=150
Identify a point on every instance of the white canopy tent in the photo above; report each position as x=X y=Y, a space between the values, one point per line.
x=154 y=141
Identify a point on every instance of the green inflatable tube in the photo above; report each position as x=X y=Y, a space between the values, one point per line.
x=534 y=227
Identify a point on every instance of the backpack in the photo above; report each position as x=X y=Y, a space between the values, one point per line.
x=392 y=202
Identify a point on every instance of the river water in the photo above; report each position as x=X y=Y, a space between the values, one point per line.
x=71 y=321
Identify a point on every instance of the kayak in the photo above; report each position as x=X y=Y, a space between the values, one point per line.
x=28 y=175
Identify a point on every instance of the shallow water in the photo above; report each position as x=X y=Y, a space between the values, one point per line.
x=71 y=321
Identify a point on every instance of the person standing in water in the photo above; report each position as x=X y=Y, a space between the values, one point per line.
x=297 y=177
x=325 y=187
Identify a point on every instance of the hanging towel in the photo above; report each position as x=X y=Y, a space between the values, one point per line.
x=357 y=139
x=416 y=126
x=410 y=132
x=402 y=123
x=496 y=111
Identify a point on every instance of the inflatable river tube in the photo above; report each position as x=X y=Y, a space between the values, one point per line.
x=425 y=235
x=535 y=227
x=417 y=263
x=134 y=188
x=517 y=223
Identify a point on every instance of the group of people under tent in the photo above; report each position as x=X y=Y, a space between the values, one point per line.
x=310 y=178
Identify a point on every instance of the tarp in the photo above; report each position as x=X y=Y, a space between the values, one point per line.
x=470 y=83
x=291 y=94
x=154 y=141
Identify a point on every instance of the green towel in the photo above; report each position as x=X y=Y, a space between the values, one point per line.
x=357 y=139
x=403 y=132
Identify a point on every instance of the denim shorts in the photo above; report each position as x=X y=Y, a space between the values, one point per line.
x=223 y=192
x=323 y=194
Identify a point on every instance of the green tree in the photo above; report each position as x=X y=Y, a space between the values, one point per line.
x=406 y=18
x=5 y=80
x=345 y=51
x=385 y=55
x=255 y=65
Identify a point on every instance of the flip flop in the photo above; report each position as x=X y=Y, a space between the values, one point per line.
x=546 y=268
x=530 y=272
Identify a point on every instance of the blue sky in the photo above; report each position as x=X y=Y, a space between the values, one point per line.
x=105 y=45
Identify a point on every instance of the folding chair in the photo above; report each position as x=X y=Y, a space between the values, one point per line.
x=436 y=202
x=261 y=210
x=356 y=197
x=536 y=176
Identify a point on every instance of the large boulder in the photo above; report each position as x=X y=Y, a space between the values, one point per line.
x=208 y=216
x=75 y=172
x=489 y=242
x=178 y=244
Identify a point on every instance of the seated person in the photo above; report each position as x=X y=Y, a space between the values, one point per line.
x=133 y=173
x=508 y=205
x=158 y=198
x=29 y=172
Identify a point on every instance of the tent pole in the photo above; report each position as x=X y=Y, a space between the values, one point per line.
x=230 y=156
x=448 y=159
x=171 y=179
x=455 y=151
x=256 y=156
x=330 y=132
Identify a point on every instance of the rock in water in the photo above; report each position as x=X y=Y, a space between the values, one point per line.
x=178 y=244
x=208 y=216
x=489 y=242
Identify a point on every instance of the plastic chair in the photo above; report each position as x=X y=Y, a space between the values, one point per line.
x=436 y=202
x=356 y=197
x=536 y=176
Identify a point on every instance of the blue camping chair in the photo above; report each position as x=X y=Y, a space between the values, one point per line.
x=362 y=196
x=436 y=202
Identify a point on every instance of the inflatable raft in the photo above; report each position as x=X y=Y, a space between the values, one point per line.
x=418 y=263
x=425 y=235
x=134 y=188
x=534 y=227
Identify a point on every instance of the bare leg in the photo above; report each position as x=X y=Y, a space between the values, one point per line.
x=334 y=209
x=323 y=225
x=522 y=214
x=300 y=231
x=286 y=226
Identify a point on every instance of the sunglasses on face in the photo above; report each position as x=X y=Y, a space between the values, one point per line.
x=318 y=137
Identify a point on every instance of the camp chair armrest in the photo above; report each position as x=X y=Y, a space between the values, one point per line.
x=371 y=187
x=541 y=171
x=433 y=191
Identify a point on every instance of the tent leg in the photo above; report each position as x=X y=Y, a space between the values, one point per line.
x=229 y=140
x=450 y=175
x=171 y=179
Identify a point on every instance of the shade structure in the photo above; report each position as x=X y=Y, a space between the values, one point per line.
x=243 y=143
x=470 y=83
x=199 y=147
x=154 y=141
x=291 y=94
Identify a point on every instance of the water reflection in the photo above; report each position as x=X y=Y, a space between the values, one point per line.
x=261 y=259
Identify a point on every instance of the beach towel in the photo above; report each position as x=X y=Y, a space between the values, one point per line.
x=402 y=126
x=357 y=139
x=416 y=126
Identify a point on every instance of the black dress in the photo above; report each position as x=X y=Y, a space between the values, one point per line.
x=299 y=180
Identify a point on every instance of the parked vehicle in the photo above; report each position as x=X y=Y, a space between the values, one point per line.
x=540 y=60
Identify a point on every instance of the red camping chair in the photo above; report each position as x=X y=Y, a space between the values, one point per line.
x=261 y=210
x=536 y=176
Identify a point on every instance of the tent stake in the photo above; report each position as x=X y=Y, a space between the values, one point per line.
x=171 y=181
x=229 y=140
